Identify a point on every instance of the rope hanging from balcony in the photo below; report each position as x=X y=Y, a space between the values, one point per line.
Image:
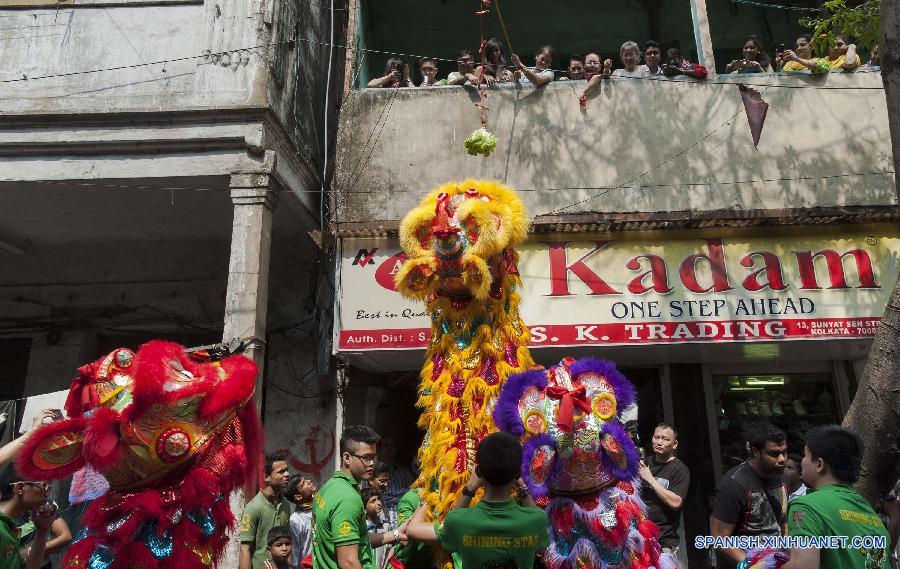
x=481 y=141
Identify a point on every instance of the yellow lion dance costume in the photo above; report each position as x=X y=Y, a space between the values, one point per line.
x=460 y=242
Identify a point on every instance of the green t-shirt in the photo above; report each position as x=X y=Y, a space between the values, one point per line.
x=339 y=518
x=838 y=510
x=415 y=555
x=496 y=535
x=10 y=558
x=261 y=515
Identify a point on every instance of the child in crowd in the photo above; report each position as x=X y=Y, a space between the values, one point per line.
x=428 y=70
x=374 y=521
x=279 y=549
x=652 y=58
x=301 y=493
x=541 y=73
x=576 y=69
x=676 y=64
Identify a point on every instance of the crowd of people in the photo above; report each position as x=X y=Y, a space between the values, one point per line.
x=636 y=62
x=354 y=522
x=346 y=524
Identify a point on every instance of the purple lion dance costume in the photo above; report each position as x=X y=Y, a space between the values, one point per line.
x=581 y=464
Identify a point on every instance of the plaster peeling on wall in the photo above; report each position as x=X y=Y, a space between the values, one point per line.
x=315 y=464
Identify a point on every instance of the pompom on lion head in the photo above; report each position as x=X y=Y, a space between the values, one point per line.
x=460 y=241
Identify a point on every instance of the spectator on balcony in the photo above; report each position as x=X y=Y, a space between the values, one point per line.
x=630 y=55
x=842 y=55
x=595 y=74
x=797 y=59
x=428 y=71
x=591 y=65
x=755 y=60
x=677 y=64
x=576 y=69
x=465 y=70
x=492 y=68
x=873 y=57
x=396 y=74
x=541 y=73
x=652 y=58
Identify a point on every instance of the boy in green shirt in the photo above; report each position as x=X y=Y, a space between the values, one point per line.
x=497 y=533
x=268 y=509
x=833 y=508
x=415 y=555
x=340 y=538
x=18 y=497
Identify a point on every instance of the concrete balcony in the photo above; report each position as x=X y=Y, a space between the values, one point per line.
x=642 y=150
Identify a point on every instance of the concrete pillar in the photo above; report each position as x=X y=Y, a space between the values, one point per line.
x=254 y=198
x=702 y=37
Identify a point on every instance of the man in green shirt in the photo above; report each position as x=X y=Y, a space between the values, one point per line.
x=268 y=509
x=413 y=555
x=18 y=497
x=833 y=508
x=497 y=533
x=340 y=538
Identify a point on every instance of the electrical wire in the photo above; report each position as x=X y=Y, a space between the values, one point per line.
x=522 y=190
x=331 y=44
x=24 y=77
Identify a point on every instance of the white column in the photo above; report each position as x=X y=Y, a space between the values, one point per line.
x=254 y=198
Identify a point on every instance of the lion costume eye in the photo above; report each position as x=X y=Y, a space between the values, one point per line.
x=604 y=406
x=535 y=422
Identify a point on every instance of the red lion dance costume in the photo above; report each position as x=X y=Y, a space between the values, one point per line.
x=174 y=435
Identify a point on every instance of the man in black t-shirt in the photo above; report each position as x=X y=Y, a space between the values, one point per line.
x=665 y=484
x=752 y=496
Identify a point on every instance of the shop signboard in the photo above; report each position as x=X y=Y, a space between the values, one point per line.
x=772 y=284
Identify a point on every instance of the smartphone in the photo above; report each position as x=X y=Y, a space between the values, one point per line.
x=780 y=48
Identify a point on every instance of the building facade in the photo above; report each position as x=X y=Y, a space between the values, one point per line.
x=731 y=283
x=161 y=167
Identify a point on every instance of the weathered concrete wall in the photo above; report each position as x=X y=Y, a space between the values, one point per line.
x=299 y=73
x=43 y=42
x=641 y=146
x=299 y=401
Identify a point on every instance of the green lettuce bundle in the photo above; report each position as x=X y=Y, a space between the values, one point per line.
x=481 y=142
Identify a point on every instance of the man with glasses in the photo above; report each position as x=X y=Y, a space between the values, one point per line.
x=341 y=540
x=465 y=73
x=752 y=497
x=20 y=497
